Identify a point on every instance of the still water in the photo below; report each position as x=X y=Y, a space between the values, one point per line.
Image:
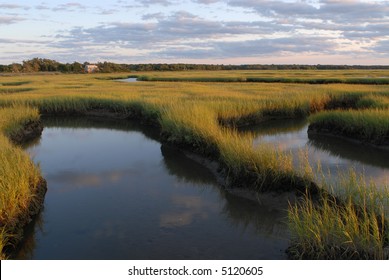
x=114 y=192
x=128 y=80
x=336 y=155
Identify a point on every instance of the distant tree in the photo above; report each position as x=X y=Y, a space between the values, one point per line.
x=16 y=68
x=76 y=67
x=39 y=64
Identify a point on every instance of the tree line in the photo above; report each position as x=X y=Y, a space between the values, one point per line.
x=48 y=65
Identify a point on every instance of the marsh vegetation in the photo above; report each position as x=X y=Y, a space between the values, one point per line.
x=202 y=117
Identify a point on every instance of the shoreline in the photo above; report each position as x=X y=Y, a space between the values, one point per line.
x=315 y=129
x=15 y=226
x=208 y=157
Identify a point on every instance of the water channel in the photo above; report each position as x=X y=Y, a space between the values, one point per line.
x=335 y=155
x=128 y=80
x=114 y=192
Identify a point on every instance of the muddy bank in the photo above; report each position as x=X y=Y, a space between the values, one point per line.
x=275 y=200
x=342 y=252
x=135 y=112
x=28 y=132
x=250 y=120
x=355 y=137
x=16 y=227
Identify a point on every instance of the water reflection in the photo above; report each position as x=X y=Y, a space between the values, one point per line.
x=264 y=212
x=277 y=127
x=185 y=169
x=71 y=179
x=268 y=219
x=188 y=209
x=100 y=122
x=27 y=248
x=338 y=147
x=334 y=154
x=115 y=193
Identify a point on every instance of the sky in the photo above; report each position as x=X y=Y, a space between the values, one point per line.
x=196 y=31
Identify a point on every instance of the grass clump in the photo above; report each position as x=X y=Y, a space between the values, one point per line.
x=13 y=119
x=351 y=225
x=370 y=126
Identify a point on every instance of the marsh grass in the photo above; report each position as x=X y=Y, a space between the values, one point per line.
x=18 y=83
x=269 y=76
x=14 y=90
x=353 y=225
x=19 y=177
x=13 y=118
x=370 y=126
x=202 y=117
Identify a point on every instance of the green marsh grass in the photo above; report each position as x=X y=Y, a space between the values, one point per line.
x=370 y=77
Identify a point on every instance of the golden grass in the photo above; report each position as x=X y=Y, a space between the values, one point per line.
x=352 y=226
x=18 y=175
x=190 y=115
x=370 y=126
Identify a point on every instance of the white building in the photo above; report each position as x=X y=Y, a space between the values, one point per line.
x=91 y=68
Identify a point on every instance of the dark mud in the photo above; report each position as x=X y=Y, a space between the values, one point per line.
x=31 y=130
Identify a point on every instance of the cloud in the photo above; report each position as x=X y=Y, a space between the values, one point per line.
x=42 y=6
x=185 y=35
x=156 y=2
x=206 y=2
x=274 y=8
x=158 y=16
x=334 y=11
x=12 y=6
x=145 y=3
x=251 y=48
x=346 y=19
x=107 y=11
x=179 y=28
x=331 y=10
x=69 y=7
x=10 y=19
x=171 y=29
x=382 y=47
x=24 y=41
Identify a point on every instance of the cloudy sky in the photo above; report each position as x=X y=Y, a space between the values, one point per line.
x=196 y=31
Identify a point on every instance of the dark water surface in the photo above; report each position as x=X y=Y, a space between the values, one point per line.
x=334 y=154
x=115 y=193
